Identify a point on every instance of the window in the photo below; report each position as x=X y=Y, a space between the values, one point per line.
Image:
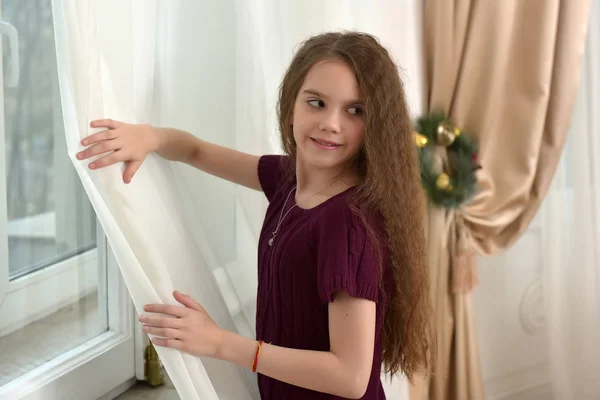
x=54 y=282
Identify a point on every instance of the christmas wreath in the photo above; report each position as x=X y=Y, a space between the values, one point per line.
x=457 y=185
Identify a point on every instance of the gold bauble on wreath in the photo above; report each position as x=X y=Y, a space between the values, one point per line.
x=446 y=134
x=443 y=182
x=421 y=140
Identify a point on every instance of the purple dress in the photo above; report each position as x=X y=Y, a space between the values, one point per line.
x=316 y=253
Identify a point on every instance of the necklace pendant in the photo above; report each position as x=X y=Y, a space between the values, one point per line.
x=271 y=240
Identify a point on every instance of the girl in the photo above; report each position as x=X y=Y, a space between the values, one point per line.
x=343 y=284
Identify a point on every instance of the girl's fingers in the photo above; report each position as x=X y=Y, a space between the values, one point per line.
x=99 y=148
x=161 y=322
x=167 y=309
x=105 y=123
x=167 y=333
x=105 y=161
x=130 y=170
x=98 y=137
x=188 y=301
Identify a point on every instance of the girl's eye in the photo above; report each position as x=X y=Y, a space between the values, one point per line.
x=355 y=110
x=316 y=103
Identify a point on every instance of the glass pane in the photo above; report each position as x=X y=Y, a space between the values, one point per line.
x=44 y=225
x=50 y=224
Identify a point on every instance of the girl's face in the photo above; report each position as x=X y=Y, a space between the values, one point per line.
x=328 y=119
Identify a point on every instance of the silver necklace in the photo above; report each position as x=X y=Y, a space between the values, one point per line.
x=282 y=216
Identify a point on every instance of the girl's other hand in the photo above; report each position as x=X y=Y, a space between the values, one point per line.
x=188 y=327
x=129 y=143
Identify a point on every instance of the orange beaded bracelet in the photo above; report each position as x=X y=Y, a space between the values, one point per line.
x=255 y=363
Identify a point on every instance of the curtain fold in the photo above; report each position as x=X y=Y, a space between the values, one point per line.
x=144 y=223
x=509 y=84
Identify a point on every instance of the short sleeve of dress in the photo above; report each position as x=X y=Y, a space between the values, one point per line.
x=271 y=173
x=345 y=257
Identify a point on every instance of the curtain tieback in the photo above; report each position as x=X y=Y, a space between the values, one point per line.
x=464 y=258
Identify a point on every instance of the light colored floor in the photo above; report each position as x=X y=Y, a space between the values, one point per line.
x=142 y=391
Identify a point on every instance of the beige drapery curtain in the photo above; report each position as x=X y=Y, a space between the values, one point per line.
x=506 y=72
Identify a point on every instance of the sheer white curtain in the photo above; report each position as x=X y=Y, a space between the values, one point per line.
x=571 y=243
x=212 y=68
x=106 y=57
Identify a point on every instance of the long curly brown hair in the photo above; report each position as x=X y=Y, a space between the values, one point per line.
x=390 y=184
